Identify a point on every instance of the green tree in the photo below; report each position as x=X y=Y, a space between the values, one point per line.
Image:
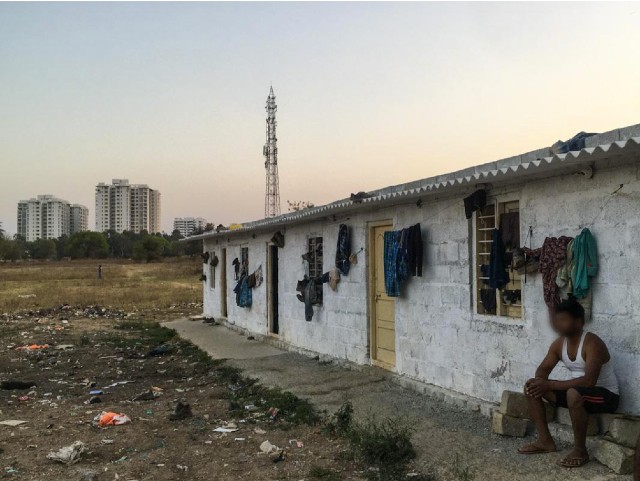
x=88 y=245
x=150 y=248
x=42 y=249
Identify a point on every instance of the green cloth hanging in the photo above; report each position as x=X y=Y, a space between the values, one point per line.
x=585 y=263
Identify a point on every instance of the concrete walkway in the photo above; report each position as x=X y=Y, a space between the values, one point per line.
x=447 y=439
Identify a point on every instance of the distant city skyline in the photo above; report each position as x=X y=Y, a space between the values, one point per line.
x=369 y=94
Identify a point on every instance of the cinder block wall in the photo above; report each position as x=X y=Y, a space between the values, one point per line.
x=440 y=339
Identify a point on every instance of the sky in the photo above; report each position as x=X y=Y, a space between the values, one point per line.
x=369 y=94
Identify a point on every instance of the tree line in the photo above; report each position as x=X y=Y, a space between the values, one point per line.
x=99 y=245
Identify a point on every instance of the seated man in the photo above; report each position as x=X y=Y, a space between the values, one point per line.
x=593 y=387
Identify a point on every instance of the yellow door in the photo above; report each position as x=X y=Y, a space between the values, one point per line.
x=383 y=329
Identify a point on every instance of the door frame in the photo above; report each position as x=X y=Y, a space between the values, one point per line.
x=272 y=308
x=223 y=283
x=371 y=263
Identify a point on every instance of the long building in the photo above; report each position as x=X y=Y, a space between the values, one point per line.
x=451 y=327
x=187 y=225
x=121 y=207
x=48 y=217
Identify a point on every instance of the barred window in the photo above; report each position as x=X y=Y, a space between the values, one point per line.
x=507 y=301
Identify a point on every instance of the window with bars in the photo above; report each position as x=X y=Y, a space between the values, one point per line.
x=507 y=301
x=314 y=261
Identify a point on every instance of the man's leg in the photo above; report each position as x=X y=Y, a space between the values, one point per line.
x=579 y=420
x=538 y=413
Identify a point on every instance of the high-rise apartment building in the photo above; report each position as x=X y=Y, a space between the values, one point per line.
x=47 y=217
x=186 y=225
x=78 y=218
x=124 y=207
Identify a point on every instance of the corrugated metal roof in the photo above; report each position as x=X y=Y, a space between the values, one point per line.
x=492 y=172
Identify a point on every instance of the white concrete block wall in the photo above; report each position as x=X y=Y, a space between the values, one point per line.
x=440 y=340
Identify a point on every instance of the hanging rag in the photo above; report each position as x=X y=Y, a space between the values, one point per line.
x=334 y=278
x=415 y=249
x=258 y=276
x=391 y=248
x=243 y=292
x=552 y=255
x=343 y=250
x=563 y=278
x=205 y=257
x=236 y=267
x=474 y=202
x=510 y=229
x=488 y=300
x=278 y=239
x=585 y=263
x=498 y=274
x=310 y=298
x=251 y=281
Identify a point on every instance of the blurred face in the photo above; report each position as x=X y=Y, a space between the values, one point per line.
x=564 y=324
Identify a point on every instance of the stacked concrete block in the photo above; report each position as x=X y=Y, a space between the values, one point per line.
x=618 y=458
x=512 y=419
x=616 y=450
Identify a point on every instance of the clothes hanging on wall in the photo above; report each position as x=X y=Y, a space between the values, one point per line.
x=236 y=268
x=412 y=245
x=510 y=229
x=474 y=202
x=403 y=257
x=391 y=249
x=205 y=257
x=258 y=276
x=563 y=277
x=553 y=255
x=278 y=239
x=251 y=281
x=243 y=293
x=498 y=274
x=343 y=250
x=334 y=278
x=585 y=263
x=488 y=300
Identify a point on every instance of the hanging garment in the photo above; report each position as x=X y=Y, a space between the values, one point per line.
x=236 y=267
x=205 y=257
x=334 y=278
x=343 y=250
x=391 y=248
x=278 y=239
x=488 y=300
x=510 y=229
x=258 y=276
x=310 y=298
x=251 y=281
x=243 y=293
x=498 y=274
x=563 y=278
x=414 y=250
x=552 y=255
x=474 y=202
x=585 y=263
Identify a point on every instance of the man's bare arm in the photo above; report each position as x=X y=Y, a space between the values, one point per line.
x=549 y=362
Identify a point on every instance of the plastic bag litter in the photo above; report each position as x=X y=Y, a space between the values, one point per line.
x=266 y=447
x=69 y=454
x=111 y=419
x=33 y=347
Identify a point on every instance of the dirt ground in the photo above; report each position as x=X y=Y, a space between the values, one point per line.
x=57 y=412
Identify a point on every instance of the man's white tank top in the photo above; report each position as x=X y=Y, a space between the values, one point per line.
x=607 y=378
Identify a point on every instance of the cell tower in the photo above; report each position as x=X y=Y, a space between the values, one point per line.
x=270 y=152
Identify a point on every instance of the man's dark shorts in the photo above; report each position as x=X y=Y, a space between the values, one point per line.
x=596 y=399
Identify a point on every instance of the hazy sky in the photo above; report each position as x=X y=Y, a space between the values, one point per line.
x=369 y=94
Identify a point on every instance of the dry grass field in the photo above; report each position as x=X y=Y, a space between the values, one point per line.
x=124 y=284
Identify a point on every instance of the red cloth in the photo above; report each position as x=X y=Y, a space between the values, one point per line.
x=553 y=255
